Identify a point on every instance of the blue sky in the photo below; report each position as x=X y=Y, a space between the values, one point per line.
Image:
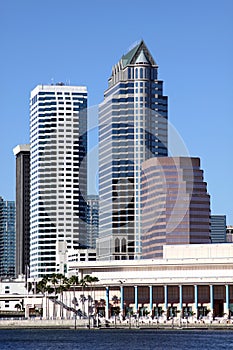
x=79 y=41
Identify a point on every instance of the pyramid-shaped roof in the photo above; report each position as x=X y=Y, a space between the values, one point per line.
x=139 y=54
x=141 y=58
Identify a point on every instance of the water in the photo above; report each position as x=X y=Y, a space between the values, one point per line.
x=114 y=339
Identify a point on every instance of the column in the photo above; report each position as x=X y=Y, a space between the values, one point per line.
x=211 y=298
x=227 y=304
x=136 y=298
x=165 y=298
x=196 y=300
x=122 y=300
x=27 y=311
x=107 y=303
x=151 y=299
x=181 y=298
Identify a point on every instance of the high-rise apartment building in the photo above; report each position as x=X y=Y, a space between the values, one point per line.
x=92 y=220
x=132 y=128
x=58 y=173
x=175 y=204
x=22 y=154
x=7 y=238
x=218 y=229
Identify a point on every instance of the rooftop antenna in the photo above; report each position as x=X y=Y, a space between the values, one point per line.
x=52 y=81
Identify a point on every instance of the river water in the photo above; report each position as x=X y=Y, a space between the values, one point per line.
x=21 y=339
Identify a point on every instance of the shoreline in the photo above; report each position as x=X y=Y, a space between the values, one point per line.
x=84 y=325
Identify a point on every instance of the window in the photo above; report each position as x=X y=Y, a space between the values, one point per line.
x=141 y=73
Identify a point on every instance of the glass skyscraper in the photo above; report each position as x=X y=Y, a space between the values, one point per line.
x=7 y=238
x=58 y=173
x=132 y=128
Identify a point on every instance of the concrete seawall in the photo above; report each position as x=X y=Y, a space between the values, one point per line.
x=37 y=323
x=84 y=324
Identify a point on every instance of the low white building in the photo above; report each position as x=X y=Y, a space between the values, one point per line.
x=12 y=292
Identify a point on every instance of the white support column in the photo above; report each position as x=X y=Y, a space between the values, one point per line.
x=122 y=300
x=165 y=299
x=227 y=303
x=107 y=303
x=136 y=298
x=151 y=299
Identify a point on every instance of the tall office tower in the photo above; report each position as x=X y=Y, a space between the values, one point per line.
x=218 y=229
x=132 y=128
x=22 y=153
x=7 y=238
x=92 y=220
x=175 y=204
x=58 y=173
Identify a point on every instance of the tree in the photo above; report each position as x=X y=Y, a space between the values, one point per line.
x=18 y=307
x=84 y=282
x=82 y=299
x=42 y=286
x=116 y=309
x=74 y=281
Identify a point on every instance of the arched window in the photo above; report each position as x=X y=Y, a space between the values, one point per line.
x=141 y=73
x=136 y=73
x=117 y=245
x=123 y=245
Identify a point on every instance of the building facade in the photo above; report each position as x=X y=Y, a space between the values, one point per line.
x=7 y=238
x=58 y=173
x=175 y=204
x=193 y=279
x=92 y=220
x=22 y=154
x=132 y=128
x=218 y=228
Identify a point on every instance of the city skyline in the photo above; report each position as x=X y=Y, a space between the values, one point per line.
x=195 y=63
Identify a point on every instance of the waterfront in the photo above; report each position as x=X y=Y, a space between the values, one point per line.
x=115 y=339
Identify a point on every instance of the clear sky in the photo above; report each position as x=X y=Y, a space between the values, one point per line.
x=77 y=42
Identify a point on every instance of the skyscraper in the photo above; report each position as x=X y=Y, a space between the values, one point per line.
x=58 y=173
x=22 y=153
x=175 y=204
x=92 y=220
x=7 y=238
x=132 y=128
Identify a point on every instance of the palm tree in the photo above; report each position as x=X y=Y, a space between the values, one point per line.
x=54 y=281
x=82 y=298
x=74 y=281
x=101 y=304
x=84 y=282
x=116 y=309
x=42 y=285
x=18 y=307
